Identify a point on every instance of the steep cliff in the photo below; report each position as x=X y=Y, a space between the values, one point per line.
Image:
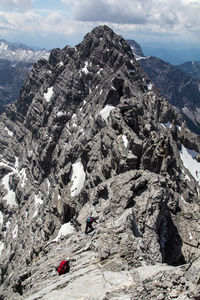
x=90 y=134
x=179 y=88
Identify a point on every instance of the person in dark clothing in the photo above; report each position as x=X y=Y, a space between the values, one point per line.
x=89 y=222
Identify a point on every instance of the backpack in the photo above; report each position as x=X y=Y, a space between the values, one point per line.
x=90 y=220
x=62 y=268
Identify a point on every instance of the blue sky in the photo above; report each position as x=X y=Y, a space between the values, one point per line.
x=56 y=23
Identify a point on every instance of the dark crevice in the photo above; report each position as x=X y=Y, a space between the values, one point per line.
x=134 y=226
x=170 y=242
x=103 y=193
x=17 y=288
x=68 y=213
x=130 y=203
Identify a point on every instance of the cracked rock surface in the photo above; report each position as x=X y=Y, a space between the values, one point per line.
x=91 y=135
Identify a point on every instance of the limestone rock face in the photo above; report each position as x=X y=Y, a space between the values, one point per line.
x=180 y=89
x=91 y=135
x=137 y=50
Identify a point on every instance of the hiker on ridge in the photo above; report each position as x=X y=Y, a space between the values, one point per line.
x=63 y=267
x=89 y=222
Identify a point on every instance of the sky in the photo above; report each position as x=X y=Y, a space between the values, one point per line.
x=57 y=23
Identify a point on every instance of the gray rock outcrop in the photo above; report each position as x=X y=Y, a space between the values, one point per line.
x=179 y=88
x=91 y=135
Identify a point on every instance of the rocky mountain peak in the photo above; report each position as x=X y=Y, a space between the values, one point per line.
x=91 y=135
x=103 y=44
x=102 y=33
x=136 y=48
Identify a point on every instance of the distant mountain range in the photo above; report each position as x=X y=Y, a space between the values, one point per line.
x=19 y=52
x=16 y=61
x=192 y=68
x=173 y=56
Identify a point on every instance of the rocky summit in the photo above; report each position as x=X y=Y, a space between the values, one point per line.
x=91 y=135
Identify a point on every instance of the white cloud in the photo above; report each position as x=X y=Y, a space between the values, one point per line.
x=179 y=17
x=108 y=11
x=32 y=22
x=20 y=4
x=152 y=20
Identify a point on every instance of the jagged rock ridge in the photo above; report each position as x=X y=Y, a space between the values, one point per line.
x=91 y=134
x=179 y=88
x=136 y=48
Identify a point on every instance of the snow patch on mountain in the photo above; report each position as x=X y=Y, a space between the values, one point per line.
x=14 y=170
x=61 y=64
x=48 y=94
x=60 y=113
x=10 y=196
x=167 y=125
x=150 y=86
x=193 y=166
x=85 y=69
x=105 y=112
x=65 y=229
x=48 y=185
x=10 y=133
x=190 y=236
x=1 y=247
x=77 y=177
x=125 y=140
x=141 y=57
x=38 y=202
x=1 y=219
